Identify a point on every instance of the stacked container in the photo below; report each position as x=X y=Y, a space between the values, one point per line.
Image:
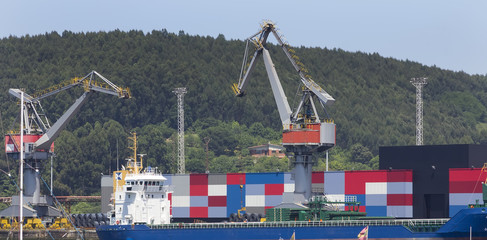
x=263 y=190
x=465 y=187
x=381 y=193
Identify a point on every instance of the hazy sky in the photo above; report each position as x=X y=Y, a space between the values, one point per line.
x=449 y=34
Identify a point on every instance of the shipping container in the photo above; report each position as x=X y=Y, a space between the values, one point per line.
x=465 y=187
x=219 y=195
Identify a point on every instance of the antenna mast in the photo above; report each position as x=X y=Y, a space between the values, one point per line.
x=419 y=83
x=181 y=162
x=207 y=141
x=135 y=167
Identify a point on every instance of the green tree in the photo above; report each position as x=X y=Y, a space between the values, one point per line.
x=360 y=154
x=375 y=102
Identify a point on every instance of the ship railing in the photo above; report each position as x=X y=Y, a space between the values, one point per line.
x=372 y=222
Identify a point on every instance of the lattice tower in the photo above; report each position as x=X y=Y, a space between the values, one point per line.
x=181 y=161
x=419 y=83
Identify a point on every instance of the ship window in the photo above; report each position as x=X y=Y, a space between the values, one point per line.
x=141 y=183
x=129 y=195
x=157 y=183
x=152 y=196
x=150 y=183
x=145 y=183
x=119 y=196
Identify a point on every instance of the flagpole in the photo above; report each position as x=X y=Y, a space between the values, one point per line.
x=367 y=233
x=21 y=200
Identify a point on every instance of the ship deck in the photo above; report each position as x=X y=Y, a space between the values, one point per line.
x=408 y=223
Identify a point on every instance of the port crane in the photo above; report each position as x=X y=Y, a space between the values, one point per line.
x=39 y=134
x=304 y=132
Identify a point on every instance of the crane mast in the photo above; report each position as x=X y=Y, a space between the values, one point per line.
x=304 y=132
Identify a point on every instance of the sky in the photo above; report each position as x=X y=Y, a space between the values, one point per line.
x=444 y=33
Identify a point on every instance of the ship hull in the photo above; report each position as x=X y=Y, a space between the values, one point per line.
x=456 y=228
x=324 y=233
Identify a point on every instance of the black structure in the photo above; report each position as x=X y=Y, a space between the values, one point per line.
x=430 y=165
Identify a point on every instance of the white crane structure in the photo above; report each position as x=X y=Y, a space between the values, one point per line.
x=304 y=132
x=419 y=83
x=36 y=145
x=181 y=160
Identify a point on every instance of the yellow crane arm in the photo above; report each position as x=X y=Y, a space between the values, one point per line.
x=90 y=82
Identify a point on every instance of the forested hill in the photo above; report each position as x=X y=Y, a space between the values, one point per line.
x=375 y=101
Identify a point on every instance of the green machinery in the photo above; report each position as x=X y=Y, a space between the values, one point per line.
x=319 y=209
x=484 y=191
x=484 y=197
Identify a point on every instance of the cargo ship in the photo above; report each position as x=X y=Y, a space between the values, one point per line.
x=468 y=223
x=141 y=209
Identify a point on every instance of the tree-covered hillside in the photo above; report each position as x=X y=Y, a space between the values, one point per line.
x=375 y=102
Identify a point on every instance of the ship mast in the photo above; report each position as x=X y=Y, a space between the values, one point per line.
x=134 y=167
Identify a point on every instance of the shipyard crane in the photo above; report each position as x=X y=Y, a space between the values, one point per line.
x=39 y=134
x=304 y=132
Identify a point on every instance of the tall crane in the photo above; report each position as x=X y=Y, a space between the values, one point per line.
x=39 y=134
x=304 y=132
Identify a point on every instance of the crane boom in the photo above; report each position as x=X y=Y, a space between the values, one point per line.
x=279 y=95
x=90 y=84
x=52 y=133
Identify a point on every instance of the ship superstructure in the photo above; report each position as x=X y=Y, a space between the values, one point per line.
x=140 y=195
